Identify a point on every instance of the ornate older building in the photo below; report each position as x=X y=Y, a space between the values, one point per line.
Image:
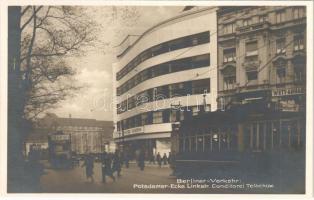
x=262 y=53
x=262 y=69
x=259 y=125
x=87 y=135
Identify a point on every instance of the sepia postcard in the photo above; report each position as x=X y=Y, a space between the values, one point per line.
x=163 y=97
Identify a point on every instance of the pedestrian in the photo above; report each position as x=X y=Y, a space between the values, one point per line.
x=158 y=158
x=106 y=167
x=165 y=159
x=34 y=170
x=152 y=159
x=116 y=164
x=126 y=159
x=141 y=160
x=172 y=162
x=89 y=167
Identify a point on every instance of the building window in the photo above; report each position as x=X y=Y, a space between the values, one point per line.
x=298 y=43
x=165 y=68
x=281 y=46
x=247 y=22
x=201 y=86
x=137 y=120
x=177 y=89
x=280 y=16
x=281 y=75
x=157 y=117
x=263 y=18
x=161 y=92
x=229 y=55
x=201 y=61
x=299 y=74
x=195 y=110
x=165 y=116
x=251 y=48
x=144 y=117
x=229 y=28
x=299 y=69
x=251 y=75
x=298 y=12
x=229 y=82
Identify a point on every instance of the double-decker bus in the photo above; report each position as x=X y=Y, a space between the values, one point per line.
x=59 y=145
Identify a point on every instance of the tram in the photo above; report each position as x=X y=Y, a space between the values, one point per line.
x=263 y=141
x=59 y=148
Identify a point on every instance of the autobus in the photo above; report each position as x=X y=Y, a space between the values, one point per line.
x=59 y=147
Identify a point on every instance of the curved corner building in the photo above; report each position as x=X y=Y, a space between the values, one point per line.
x=165 y=75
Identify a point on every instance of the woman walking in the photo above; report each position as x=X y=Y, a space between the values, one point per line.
x=89 y=167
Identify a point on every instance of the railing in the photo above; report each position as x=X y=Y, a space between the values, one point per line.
x=252 y=27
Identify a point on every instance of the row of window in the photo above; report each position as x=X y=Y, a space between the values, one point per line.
x=258 y=136
x=161 y=116
x=164 y=92
x=172 y=45
x=165 y=68
x=79 y=128
x=298 y=44
x=281 y=76
x=281 y=16
x=251 y=49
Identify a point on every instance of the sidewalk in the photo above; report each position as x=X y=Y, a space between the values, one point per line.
x=149 y=164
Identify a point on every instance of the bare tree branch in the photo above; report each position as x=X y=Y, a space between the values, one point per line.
x=31 y=17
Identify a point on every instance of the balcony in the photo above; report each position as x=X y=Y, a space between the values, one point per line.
x=287 y=24
x=253 y=27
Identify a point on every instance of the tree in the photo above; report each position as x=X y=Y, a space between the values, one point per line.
x=50 y=35
x=41 y=40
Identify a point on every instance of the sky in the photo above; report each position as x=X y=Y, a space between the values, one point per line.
x=94 y=69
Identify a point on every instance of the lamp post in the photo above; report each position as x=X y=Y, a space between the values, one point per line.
x=175 y=127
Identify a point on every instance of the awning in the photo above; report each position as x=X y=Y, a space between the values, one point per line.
x=144 y=136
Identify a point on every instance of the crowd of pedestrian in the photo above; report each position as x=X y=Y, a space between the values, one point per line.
x=160 y=160
x=112 y=163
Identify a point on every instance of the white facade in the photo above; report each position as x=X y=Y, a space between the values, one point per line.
x=184 y=25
